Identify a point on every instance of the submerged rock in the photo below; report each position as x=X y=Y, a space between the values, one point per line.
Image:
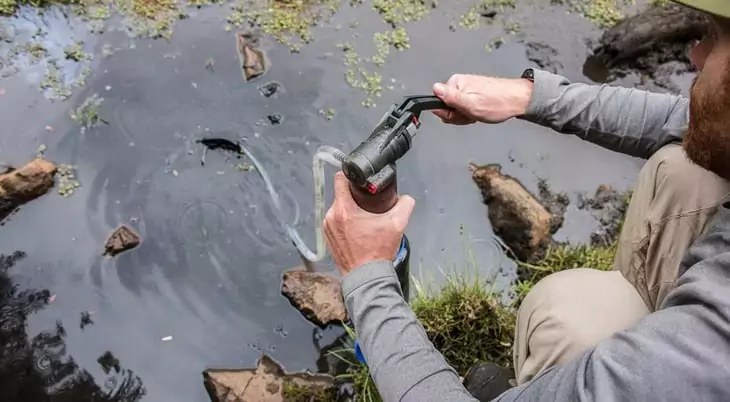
x=318 y=296
x=274 y=119
x=25 y=184
x=268 y=382
x=122 y=239
x=523 y=223
x=253 y=60
x=270 y=89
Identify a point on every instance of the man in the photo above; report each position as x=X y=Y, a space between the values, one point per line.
x=658 y=328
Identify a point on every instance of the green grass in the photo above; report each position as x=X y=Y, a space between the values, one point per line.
x=560 y=257
x=467 y=322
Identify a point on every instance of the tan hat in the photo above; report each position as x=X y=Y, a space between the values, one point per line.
x=717 y=7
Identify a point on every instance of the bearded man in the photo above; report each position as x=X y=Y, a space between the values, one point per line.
x=657 y=328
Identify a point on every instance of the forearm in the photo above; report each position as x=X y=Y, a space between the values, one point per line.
x=403 y=363
x=625 y=120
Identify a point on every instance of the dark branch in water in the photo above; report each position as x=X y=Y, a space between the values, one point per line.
x=218 y=143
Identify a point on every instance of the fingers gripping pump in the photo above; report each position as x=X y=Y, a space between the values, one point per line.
x=371 y=169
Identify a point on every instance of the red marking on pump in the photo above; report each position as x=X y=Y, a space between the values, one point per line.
x=415 y=120
x=372 y=189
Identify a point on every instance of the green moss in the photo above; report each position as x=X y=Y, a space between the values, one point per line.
x=296 y=393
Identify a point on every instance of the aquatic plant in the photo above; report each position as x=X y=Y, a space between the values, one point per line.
x=53 y=82
x=87 y=114
x=75 y=52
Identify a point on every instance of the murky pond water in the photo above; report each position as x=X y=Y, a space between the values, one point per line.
x=202 y=290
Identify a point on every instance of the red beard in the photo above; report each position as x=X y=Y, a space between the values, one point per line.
x=707 y=141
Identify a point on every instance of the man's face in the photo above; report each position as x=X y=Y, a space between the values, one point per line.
x=707 y=141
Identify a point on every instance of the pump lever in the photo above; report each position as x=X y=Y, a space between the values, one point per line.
x=419 y=103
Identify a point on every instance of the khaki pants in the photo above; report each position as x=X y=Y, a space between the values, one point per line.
x=569 y=312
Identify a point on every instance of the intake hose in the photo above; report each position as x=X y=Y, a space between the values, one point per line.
x=324 y=154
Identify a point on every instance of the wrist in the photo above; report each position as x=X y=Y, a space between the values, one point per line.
x=522 y=95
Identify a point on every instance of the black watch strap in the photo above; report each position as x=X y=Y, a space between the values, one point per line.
x=529 y=74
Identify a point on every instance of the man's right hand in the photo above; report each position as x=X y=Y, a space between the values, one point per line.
x=479 y=98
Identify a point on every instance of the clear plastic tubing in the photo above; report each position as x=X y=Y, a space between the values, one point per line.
x=324 y=153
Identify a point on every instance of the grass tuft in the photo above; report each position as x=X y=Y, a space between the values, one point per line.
x=467 y=323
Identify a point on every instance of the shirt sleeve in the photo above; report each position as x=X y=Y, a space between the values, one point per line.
x=625 y=120
x=404 y=364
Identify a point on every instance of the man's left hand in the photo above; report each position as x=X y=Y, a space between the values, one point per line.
x=356 y=236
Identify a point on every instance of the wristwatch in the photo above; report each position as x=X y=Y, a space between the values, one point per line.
x=529 y=74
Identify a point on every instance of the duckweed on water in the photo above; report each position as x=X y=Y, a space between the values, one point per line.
x=470 y=20
x=604 y=13
x=513 y=28
x=289 y=22
x=495 y=44
x=67 y=182
x=399 y=11
x=397 y=38
x=75 y=52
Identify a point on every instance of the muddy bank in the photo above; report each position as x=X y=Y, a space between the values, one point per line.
x=654 y=43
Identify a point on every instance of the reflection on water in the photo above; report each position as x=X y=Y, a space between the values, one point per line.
x=39 y=369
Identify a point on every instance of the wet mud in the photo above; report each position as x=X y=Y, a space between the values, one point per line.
x=654 y=43
x=608 y=207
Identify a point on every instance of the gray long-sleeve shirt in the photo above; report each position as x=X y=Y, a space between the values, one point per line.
x=679 y=353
